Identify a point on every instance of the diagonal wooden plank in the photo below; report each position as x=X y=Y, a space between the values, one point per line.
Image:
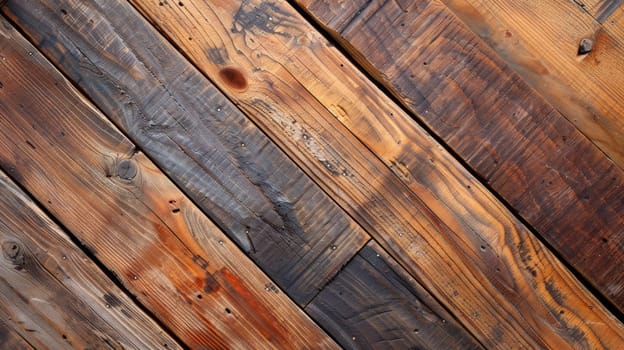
x=601 y=10
x=435 y=219
x=53 y=295
x=374 y=304
x=250 y=188
x=134 y=220
x=11 y=339
x=565 y=54
x=527 y=152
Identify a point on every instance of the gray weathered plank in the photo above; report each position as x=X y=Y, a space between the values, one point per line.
x=373 y=303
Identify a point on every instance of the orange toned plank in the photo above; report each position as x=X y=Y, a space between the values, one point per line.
x=540 y=41
x=615 y=24
x=53 y=295
x=418 y=203
x=243 y=181
x=135 y=221
x=554 y=177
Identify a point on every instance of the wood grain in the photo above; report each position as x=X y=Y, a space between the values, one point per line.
x=373 y=303
x=541 y=42
x=601 y=10
x=435 y=219
x=524 y=149
x=258 y=196
x=11 y=339
x=53 y=295
x=132 y=218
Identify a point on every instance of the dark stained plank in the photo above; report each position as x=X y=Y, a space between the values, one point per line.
x=373 y=303
x=133 y=219
x=11 y=339
x=275 y=213
x=524 y=149
x=412 y=196
x=53 y=295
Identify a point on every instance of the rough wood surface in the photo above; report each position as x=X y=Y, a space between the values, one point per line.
x=54 y=295
x=11 y=339
x=132 y=218
x=250 y=188
x=615 y=25
x=430 y=214
x=542 y=42
x=373 y=303
x=601 y=10
x=534 y=158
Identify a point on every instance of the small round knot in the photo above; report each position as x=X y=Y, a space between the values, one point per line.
x=234 y=78
x=126 y=169
x=14 y=253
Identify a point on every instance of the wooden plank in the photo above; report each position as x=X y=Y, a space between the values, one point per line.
x=435 y=219
x=527 y=152
x=615 y=25
x=601 y=10
x=273 y=211
x=541 y=41
x=164 y=250
x=53 y=295
x=373 y=303
x=11 y=339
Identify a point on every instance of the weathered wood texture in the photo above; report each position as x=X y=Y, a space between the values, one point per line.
x=11 y=339
x=134 y=220
x=250 y=188
x=435 y=219
x=601 y=10
x=542 y=42
x=534 y=158
x=375 y=304
x=54 y=295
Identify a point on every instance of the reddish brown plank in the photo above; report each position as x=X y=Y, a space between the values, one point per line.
x=250 y=188
x=524 y=149
x=164 y=250
x=373 y=303
x=434 y=218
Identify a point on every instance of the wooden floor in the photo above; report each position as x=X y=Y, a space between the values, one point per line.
x=311 y=174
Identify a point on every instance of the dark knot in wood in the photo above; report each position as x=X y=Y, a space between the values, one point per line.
x=13 y=252
x=234 y=78
x=127 y=169
x=585 y=46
